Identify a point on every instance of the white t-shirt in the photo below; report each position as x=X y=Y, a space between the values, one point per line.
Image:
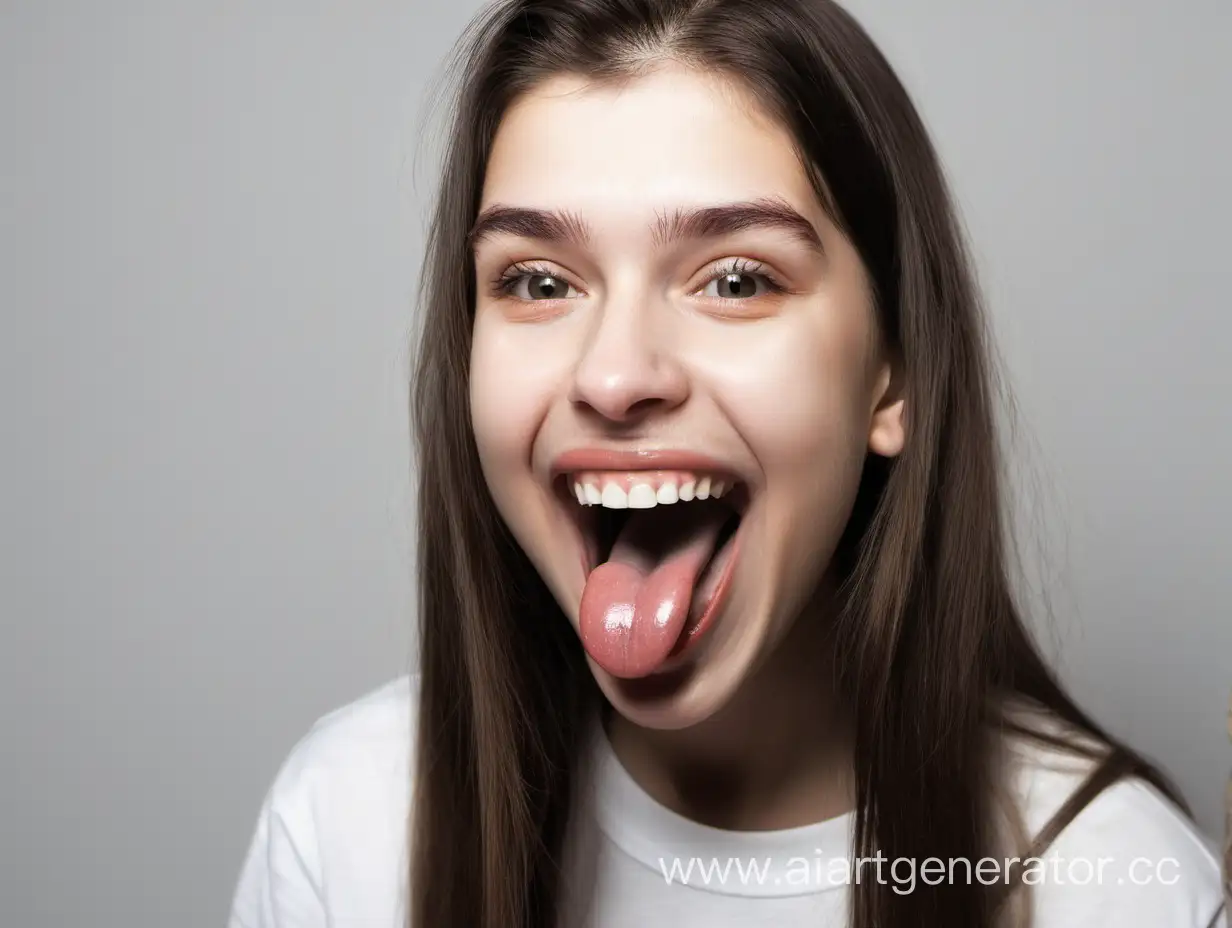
x=330 y=848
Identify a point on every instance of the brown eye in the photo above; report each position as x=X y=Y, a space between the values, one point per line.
x=538 y=286
x=546 y=288
x=738 y=285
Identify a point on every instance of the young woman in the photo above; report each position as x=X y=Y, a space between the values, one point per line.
x=717 y=624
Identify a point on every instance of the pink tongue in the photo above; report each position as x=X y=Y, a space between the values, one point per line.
x=635 y=606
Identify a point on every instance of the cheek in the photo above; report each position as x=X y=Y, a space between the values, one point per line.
x=805 y=416
x=508 y=400
x=801 y=399
x=498 y=401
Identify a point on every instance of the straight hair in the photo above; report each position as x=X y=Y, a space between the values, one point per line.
x=933 y=649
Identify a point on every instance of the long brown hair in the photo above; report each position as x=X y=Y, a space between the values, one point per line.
x=932 y=642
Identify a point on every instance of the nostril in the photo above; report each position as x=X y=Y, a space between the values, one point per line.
x=643 y=406
x=622 y=409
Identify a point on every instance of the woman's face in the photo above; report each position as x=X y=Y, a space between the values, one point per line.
x=664 y=307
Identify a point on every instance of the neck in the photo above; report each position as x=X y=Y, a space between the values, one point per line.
x=775 y=756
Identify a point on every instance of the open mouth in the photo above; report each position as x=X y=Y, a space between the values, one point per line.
x=659 y=548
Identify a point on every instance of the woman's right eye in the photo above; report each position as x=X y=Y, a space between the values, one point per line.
x=537 y=286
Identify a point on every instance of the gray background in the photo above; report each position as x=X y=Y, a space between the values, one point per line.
x=212 y=218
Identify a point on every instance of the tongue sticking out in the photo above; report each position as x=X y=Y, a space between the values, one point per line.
x=635 y=606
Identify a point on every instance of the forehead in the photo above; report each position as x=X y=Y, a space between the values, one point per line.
x=670 y=138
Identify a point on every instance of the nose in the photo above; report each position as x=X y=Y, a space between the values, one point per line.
x=627 y=369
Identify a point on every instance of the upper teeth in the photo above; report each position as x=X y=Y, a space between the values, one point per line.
x=646 y=491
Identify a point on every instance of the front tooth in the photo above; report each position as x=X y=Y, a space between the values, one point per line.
x=579 y=493
x=642 y=496
x=667 y=494
x=686 y=490
x=703 y=488
x=614 y=497
x=593 y=496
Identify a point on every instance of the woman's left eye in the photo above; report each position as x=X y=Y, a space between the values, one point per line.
x=739 y=283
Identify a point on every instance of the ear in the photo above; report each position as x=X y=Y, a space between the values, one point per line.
x=887 y=432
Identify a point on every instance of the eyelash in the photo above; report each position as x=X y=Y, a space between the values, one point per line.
x=515 y=273
x=745 y=266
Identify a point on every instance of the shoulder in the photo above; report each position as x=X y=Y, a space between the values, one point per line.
x=1128 y=858
x=363 y=741
x=330 y=840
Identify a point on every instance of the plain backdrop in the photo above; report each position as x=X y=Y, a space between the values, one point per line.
x=212 y=216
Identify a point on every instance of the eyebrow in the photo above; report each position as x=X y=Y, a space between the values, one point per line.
x=680 y=225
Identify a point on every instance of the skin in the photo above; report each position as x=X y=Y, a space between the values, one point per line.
x=642 y=346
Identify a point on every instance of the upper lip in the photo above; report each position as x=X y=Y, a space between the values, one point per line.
x=634 y=459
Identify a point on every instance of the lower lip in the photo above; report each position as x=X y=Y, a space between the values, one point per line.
x=693 y=634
